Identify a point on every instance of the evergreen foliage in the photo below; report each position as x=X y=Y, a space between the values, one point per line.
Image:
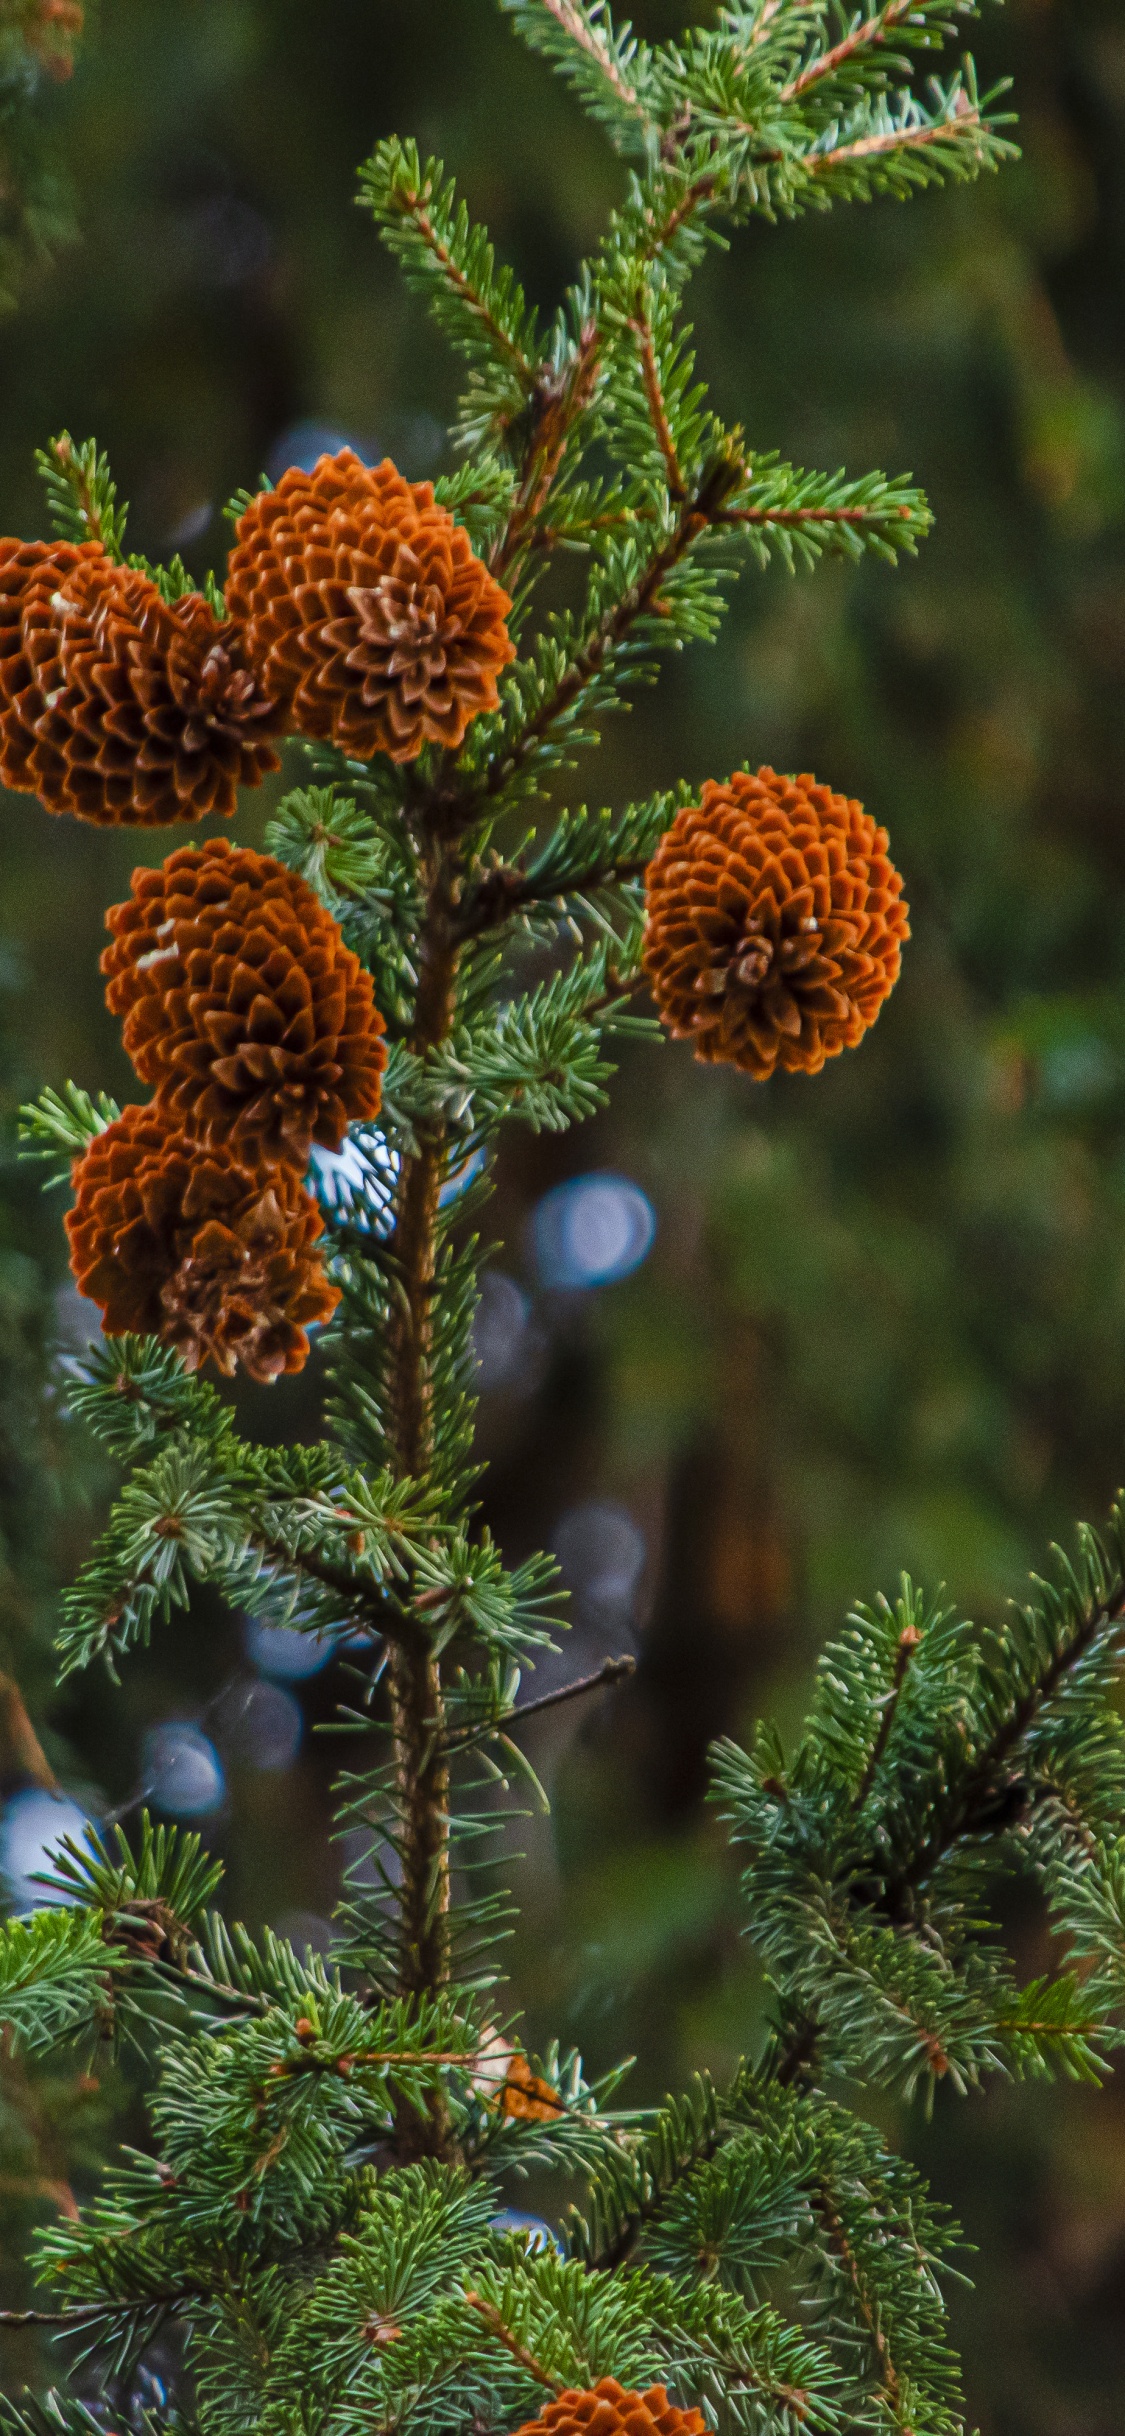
x=331 y=2142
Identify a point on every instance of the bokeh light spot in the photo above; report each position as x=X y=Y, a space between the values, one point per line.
x=183 y=1772
x=31 y=1831
x=592 y=1231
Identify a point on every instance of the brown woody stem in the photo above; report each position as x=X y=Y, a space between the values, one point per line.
x=414 y=1673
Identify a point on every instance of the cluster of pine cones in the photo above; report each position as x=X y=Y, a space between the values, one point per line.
x=356 y=612
x=258 y=1028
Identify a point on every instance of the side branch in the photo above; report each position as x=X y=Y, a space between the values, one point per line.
x=868 y=2310
x=974 y=1811
x=573 y=23
x=562 y=399
x=909 y=1641
x=412 y=203
x=697 y=516
x=371 y=1602
x=865 y=36
x=899 y=139
x=500 y=2333
x=614 y=1670
x=641 y=328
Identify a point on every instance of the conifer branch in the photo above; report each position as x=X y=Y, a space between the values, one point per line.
x=983 y=1799
x=909 y=1640
x=612 y=1670
x=866 y=2305
x=561 y=399
x=641 y=327
x=920 y=23
x=492 y=2319
x=582 y=31
x=641 y=599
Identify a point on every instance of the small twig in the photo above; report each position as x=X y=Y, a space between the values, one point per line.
x=869 y=32
x=897 y=139
x=566 y=15
x=498 y=337
x=792 y=518
x=336 y=1578
x=51 y=2317
x=506 y=891
x=798 y=2053
x=641 y=328
x=612 y=1670
x=867 y=2310
x=500 y=2333
x=563 y=398
x=909 y=1641
x=697 y=516
x=969 y=1815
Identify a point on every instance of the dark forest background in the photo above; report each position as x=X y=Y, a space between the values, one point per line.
x=882 y=1322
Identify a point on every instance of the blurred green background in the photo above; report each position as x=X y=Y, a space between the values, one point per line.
x=882 y=1321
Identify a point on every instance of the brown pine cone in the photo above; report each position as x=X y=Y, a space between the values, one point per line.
x=608 y=2410
x=115 y=706
x=188 y=1244
x=525 y=2097
x=774 y=923
x=242 y=1004
x=365 y=611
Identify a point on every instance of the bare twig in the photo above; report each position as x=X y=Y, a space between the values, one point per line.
x=612 y=1670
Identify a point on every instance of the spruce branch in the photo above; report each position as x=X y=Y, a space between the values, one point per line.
x=451 y=263
x=866 y=2305
x=60 y=1125
x=608 y=70
x=919 y=24
x=561 y=397
x=1083 y=1607
x=492 y=2318
x=81 y=494
x=641 y=604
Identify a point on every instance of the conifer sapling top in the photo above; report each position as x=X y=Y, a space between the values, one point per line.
x=318 y=2206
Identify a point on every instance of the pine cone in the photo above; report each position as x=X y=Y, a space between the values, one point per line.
x=242 y=1004
x=365 y=611
x=774 y=923
x=189 y=1245
x=115 y=706
x=525 y=2097
x=610 y=2411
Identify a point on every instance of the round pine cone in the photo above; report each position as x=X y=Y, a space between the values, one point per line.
x=190 y=1245
x=114 y=705
x=774 y=923
x=242 y=1004
x=365 y=611
x=610 y=2411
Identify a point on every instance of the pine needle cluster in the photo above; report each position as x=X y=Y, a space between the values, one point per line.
x=320 y=2206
